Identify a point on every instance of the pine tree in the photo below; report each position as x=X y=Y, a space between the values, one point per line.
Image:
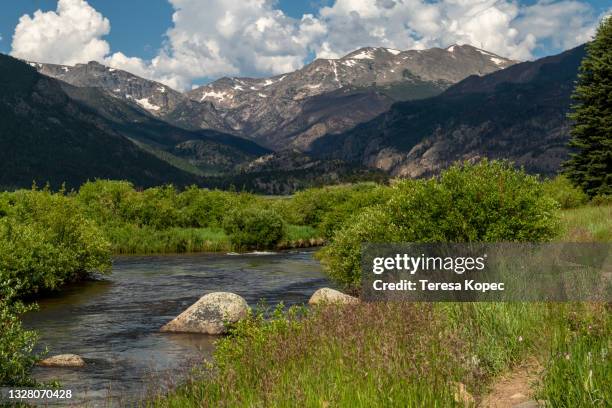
x=590 y=167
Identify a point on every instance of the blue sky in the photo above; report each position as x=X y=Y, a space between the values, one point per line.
x=265 y=37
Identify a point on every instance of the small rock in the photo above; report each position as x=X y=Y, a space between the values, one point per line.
x=63 y=360
x=327 y=295
x=518 y=395
x=461 y=395
x=210 y=314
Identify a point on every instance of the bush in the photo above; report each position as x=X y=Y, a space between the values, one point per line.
x=564 y=192
x=254 y=228
x=309 y=207
x=46 y=241
x=602 y=200
x=201 y=208
x=342 y=257
x=485 y=202
x=104 y=200
x=16 y=345
x=360 y=198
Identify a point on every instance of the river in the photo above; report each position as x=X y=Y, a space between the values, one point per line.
x=114 y=323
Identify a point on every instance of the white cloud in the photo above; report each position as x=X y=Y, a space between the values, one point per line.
x=501 y=26
x=211 y=38
x=68 y=35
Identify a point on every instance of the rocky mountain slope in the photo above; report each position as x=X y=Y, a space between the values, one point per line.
x=518 y=113
x=331 y=95
x=293 y=110
x=155 y=98
x=201 y=152
x=47 y=136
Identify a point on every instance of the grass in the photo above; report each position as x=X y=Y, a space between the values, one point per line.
x=371 y=354
x=350 y=357
x=579 y=367
x=411 y=355
x=130 y=239
x=587 y=224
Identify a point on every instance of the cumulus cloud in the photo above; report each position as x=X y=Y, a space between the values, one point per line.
x=212 y=38
x=68 y=35
x=231 y=37
x=501 y=26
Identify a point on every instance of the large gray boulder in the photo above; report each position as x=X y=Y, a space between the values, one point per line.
x=327 y=295
x=63 y=360
x=210 y=314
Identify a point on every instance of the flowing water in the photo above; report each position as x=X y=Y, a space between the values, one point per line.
x=114 y=323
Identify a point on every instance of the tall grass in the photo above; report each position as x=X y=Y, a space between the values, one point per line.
x=587 y=224
x=579 y=368
x=347 y=357
x=403 y=355
x=131 y=239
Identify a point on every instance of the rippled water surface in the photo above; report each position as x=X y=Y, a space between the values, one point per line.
x=114 y=324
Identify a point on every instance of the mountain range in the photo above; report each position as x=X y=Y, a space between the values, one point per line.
x=518 y=113
x=372 y=112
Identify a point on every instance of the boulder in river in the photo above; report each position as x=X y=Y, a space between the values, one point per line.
x=327 y=295
x=210 y=314
x=63 y=360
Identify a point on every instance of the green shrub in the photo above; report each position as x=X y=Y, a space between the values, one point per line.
x=602 y=200
x=104 y=200
x=254 y=228
x=207 y=208
x=484 y=202
x=360 y=198
x=46 y=241
x=342 y=257
x=309 y=207
x=16 y=345
x=564 y=192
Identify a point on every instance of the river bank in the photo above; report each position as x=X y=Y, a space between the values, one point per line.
x=114 y=323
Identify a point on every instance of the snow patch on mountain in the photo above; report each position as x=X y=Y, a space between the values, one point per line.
x=366 y=54
x=217 y=95
x=144 y=102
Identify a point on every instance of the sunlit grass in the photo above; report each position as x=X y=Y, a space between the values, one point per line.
x=587 y=224
x=131 y=239
x=393 y=354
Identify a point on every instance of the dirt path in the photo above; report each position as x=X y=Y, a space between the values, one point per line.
x=515 y=389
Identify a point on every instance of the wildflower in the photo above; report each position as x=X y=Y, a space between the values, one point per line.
x=520 y=338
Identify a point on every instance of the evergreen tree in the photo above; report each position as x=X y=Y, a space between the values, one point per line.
x=590 y=167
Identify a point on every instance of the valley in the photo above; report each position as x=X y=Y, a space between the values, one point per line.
x=266 y=135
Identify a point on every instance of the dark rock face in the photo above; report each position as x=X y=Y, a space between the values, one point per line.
x=518 y=113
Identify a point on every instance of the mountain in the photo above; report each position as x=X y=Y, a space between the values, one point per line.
x=332 y=95
x=51 y=131
x=518 y=113
x=155 y=98
x=201 y=152
x=288 y=171
x=47 y=136
x=290 y=111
